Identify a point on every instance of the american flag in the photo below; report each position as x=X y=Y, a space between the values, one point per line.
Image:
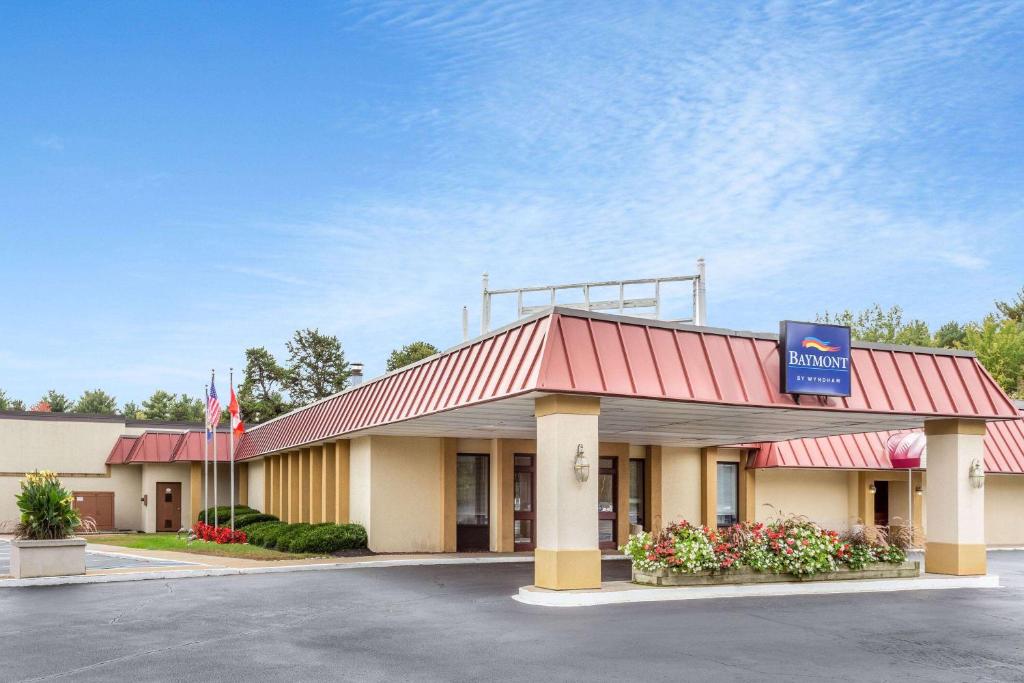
x=212 y=408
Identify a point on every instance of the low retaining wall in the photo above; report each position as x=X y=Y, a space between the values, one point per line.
x=664 y=577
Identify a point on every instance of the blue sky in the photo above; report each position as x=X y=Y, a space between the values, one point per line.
x=182 y=180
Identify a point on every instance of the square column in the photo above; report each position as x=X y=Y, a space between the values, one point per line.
x=316 y=485
x=955 y=509
x=567 y=555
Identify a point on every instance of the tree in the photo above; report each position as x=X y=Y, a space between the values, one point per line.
x=1014 y=310
x=6 y=403
x=410 y=353
x=17 y=404
x=316 y=366
x=59 y=403
x=158 y=406
x=877 y=325
x=951 y=335
x=132 y=411
x=261 y=396
x=96 y=402
x=999 y=345
x=187 y=409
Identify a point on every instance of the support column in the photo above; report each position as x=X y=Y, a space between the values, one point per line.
x=304 y=488
x=196 y=490
x=284 y=486
x=268 y=484
x=294 y=490
x=316 y=485
x=502 y=490
x=748 y=489
x=448 y=467
x=327 y=473
x=709 y=487
x=653 y=513
x=341 y=482
x=955 y=509
x=865 y=499
x=242 y=472
x=567 y=555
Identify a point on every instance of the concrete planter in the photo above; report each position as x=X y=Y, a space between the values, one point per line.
x=64 y=557
x=663 y=577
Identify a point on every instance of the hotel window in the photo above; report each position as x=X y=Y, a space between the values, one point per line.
x=728 y=493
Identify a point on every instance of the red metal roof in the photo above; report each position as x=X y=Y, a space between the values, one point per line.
x=1004 y=450
x=153 y=447
x=571 y=351
x=190 y=447
x=120 y=451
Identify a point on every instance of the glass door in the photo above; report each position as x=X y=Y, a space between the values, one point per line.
x=637 y=492
x=524 y=504
x=472 y=502
x=607 y=516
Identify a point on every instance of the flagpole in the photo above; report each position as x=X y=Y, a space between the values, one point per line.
x=206 y=453
x=214 y=426
x=231 y=447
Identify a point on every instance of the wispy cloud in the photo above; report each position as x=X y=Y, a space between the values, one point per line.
x=51 y=142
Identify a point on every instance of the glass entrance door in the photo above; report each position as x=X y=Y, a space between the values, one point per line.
x=607 y=513
x=524 y=503
x=472 y=502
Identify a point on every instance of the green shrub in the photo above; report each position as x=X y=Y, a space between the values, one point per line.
x=265 y=533
x=329 y=538
x=220 y=515
x=290 y=535
x=246 y=520
x=46 y=508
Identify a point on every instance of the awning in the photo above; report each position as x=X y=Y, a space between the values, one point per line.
x=907 y=451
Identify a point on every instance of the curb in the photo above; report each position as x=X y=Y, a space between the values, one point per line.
x=528 y=595
x=235 y=571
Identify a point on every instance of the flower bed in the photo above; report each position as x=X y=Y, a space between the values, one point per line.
x=217 y=534
x=790 y=548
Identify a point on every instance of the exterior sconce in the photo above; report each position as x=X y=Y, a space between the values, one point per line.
x=919 y=491
x=976 y=474
x=580 y=466
x=872 y=488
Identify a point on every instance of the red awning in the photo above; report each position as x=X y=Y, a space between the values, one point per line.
x=570 y=351
x=153 y=447
x=122 y=447
x=190 y=447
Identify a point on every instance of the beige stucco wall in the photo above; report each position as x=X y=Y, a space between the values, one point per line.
x=256 y=489
x=152 y=473
x=680 y=485
x=359 y=482
x=1004 y=509
x=820 y=495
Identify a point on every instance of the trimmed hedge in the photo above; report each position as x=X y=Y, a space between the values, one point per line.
x=306 y=538
x=223 y=512
x=249 y=519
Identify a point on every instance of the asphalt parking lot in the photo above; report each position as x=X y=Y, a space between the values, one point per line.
x=458 y=623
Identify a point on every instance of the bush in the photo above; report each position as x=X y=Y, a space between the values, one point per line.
x=217 y=534
x=251 y=518
x=262 y=532
x=291 y=536
x=791 y=545
x=46 y=508
x=329 y=538
x=223 y=513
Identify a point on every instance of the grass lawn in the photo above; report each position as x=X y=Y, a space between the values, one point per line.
x=172 y=542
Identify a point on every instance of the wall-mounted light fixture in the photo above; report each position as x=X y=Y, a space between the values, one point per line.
x=580 y=466
x=919 y=491
x=976 y=474
x=872 y=488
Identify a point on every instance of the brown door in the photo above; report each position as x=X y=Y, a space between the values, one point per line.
x=524 y=502
x=168 y=506
x=97 y=506
x=607 y=513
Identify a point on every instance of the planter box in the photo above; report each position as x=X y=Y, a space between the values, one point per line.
x=663 y=577
x=64 y=557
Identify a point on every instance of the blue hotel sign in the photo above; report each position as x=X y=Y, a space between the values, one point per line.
x=814 y=359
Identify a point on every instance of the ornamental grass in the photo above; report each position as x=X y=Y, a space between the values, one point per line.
x=790 y=545
x=47 y=510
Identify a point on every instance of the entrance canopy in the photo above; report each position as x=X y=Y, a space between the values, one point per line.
x=659 y=383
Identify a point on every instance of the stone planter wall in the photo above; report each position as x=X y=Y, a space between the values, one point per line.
x=663 y=577
x=64 y=557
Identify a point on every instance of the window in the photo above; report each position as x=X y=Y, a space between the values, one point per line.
x=728 y=493
x=472 y=504
x=607 y=489
x=637 y=492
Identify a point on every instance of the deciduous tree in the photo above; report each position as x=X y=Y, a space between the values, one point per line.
x=59 y=403
x=96 y=402
x=409 y=354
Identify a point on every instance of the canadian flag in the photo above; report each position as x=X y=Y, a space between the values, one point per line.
x=237 y=426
